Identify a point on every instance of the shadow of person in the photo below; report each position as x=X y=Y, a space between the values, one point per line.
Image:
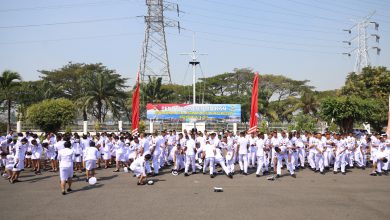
x=104 y=178
x=88 y=187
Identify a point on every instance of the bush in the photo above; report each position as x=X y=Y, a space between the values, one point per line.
x=304 y=122
x=51 y=115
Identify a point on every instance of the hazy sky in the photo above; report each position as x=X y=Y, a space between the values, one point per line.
x=301 y=39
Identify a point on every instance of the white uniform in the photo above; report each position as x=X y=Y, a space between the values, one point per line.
x=36 y=151
x=138 y=166
x=209 y=150
x=243 y=154
x=66 y=158
x=340 y=155
x=190 y=155
x=220 y=160
x=91 y=155
x=252 y=152
x=260 y=145
x=20 y=152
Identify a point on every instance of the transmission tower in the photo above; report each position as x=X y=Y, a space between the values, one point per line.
x=154 y=59
x=361 y=43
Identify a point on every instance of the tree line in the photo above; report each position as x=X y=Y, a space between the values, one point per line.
x=85 y=91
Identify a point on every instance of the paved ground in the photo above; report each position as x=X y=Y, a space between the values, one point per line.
x=116 y=196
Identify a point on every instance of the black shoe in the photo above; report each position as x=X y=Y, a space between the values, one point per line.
x=293 y=175
x=343 y=173
x=186 y=174
x=322 y=173
x=230 y=176
x=86 y=180
x=379 y=174
x=204 y=173
x=258 y=175
x=334 y=172
x=69 y=190
x=372 y=174
x=241 y=171
x=277 y=176
x=63 y=193
x=115 y=171
x=245 y=174
x=363 y=168
x=317 y=171
x=212 y=176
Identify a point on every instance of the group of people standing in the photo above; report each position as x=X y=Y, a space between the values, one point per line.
x=146 y=154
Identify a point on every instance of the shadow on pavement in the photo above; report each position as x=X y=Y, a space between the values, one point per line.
x=88 y=187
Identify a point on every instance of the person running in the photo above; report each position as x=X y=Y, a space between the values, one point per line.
x=66 y=157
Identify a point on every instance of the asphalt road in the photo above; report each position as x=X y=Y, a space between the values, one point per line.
x=116 y=196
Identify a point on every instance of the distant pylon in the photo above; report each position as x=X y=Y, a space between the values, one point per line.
x=154 y=58
x=362 y=48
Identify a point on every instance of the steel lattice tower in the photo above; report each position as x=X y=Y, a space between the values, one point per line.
x=362 y=48
x=154 y=59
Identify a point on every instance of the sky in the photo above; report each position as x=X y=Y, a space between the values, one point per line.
x=300 y=39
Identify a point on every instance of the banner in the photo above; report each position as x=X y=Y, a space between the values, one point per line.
x=254 y=108
x=195 y=112
x=135 y=108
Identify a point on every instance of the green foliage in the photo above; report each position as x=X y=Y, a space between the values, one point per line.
x=333 y=127
x=102 y=91
x=263 y=127
x=373 y=82
x=52 y=114
x=9 y=82
x=304 y=122
x=346 y=110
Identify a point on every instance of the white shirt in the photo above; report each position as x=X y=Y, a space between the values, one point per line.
x=209 y=150
x=66 y=157
x=260 y=147
x=243 y=142
x=91 y=153
x=59 y=145
x=190 y=147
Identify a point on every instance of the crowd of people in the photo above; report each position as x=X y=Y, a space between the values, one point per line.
x=146 y=154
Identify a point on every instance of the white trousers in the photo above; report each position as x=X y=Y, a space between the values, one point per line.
x=359 y=158
x=328 y=158
x=260 y=164
x=319 y=160
x=280 y=164
x=230 y=165
x=340 y=162
x=207 y=161
x=311 y=159
x=252 y=159
x=156 y=163
x=190 y=160
x=243 y=162
x=221 y=162
x=301 y=156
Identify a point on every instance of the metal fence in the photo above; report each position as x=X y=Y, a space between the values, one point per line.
x=114 y=127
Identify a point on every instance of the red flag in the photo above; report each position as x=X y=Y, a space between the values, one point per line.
x=388 y=121
x=254 y=107
x=135 y=108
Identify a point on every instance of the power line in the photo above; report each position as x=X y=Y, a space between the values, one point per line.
x=70 y=39
x=64 y=6
x=66 y=23
x=261 y=46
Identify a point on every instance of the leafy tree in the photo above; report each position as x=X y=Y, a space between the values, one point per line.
x=52 y=114
x=8 y=84
x=154 y=92
x=304 y=122
x=346 y=110
x=103 y=91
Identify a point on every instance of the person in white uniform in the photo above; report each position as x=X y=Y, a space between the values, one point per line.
x=260 y=145
x=219 y=159
x=91 y=155
x=190 y=151
x=36 y=152
x=66 y=157
x=340 y=148
x=138 y=168
x=209 y=155
x=20 y=152
x=242 y=151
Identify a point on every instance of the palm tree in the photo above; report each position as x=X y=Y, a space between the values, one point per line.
x=7 y=85
x=103 y=92
x=153 y=91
